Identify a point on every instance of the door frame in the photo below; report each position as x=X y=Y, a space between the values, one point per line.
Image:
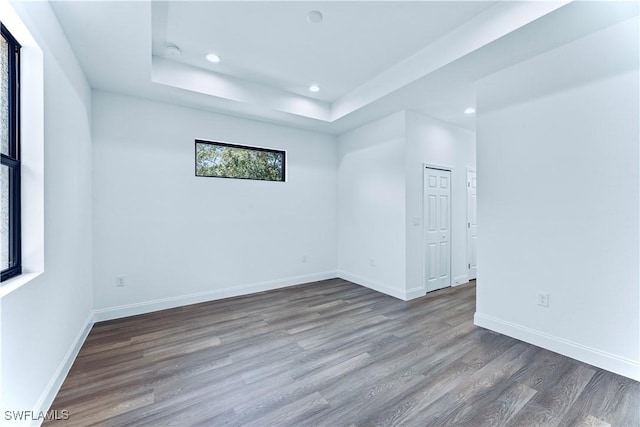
x=469 y=275
x=467 y=229
x=424 y=228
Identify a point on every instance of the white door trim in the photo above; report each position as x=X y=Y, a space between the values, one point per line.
x=470 y=275
x=424 y=229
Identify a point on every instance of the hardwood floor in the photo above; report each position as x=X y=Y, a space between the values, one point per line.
x=332 y=353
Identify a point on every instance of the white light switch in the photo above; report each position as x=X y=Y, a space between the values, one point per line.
x=416 y=221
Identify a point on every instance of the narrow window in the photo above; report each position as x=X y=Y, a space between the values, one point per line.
x=10 y=248
x=222 y=160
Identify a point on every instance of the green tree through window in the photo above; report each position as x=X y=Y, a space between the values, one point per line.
x=217 y=159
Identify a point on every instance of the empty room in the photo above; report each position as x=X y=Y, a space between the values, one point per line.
x=331 y=213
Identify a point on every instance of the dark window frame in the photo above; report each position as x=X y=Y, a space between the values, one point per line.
x=12 y=159
x=283 y=173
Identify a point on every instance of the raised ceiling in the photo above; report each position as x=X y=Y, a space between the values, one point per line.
x=370 y=58
x=273 y=43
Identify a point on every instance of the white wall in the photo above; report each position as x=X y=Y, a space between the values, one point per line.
x=371 y=205
x=380 y=181
x=558 y=196
x=43 y=321
x=437 y=143
x=177 y=238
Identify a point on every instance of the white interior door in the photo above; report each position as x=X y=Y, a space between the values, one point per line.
x=472 y=225
x=437 y=221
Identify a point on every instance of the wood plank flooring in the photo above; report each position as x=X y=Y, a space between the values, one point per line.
x=332 y=353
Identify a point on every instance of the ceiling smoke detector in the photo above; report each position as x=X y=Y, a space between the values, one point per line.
x=314 y=16
x=173 y=50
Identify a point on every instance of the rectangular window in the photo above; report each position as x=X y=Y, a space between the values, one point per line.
x=222 y=160
x=10 y=248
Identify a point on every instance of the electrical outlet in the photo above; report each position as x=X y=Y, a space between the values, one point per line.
x=372 y=262
x=543 y=299
x=120 y=281
x=304 y=258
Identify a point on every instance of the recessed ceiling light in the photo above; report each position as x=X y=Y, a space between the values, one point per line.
x=314 y=88
x=470 y=110
x=212 y=57
x=314 y=16
x=173 y=50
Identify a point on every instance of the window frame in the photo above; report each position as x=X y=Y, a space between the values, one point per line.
x=283 y=173
x=12 y=159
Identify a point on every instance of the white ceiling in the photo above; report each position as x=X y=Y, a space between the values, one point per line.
x=273 y=43
x=370 y=58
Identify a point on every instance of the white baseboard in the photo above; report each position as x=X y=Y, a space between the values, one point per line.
x=48 y=395
x=372 y=284
x=460 y=280
x=610 y=362
x=414 y=293
x=195 y=298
